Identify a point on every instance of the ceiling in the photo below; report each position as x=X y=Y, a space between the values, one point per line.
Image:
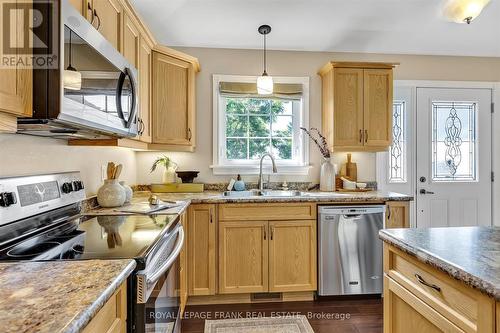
x=372 y=26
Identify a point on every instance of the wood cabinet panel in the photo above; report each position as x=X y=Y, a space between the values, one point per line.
x=267 y=211
x=292 y=256
x=16 y=84
x=348 y=107
x=377 y=107
x=173 y=101
x=130 y=39
x=145 y=59
x=406 y=313
x=468 y=309
x=108 y=16
x=243 y=257
x=80 y=5
x=398 y=214
x=112 y=318
x=201 y=250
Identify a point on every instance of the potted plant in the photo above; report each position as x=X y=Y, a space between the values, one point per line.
x=327 y=171
x=169 y=168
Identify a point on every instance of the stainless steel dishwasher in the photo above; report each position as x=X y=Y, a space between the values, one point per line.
x=349 y=250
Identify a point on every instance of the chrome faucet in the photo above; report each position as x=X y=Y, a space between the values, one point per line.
x=275 y=170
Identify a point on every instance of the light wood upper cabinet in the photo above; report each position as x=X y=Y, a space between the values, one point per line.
x=107 y=19
x=201 y=250
x=130 y=40
x=173 y=122
x=292 y=256
x=397 y=214
x=145 y=59
x=243 y=257
x=357 y=105
x=81 y=6
x=377 y=109
x=16 y=87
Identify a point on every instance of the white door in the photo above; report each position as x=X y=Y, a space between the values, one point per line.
x=453 y=157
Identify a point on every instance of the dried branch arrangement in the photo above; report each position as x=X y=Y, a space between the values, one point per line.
x=319 y=140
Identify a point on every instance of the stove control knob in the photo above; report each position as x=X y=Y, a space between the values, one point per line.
x=76 y=186
x=7 y=199
x=67 y=188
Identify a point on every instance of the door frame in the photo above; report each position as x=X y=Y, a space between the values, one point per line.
x=495 y=136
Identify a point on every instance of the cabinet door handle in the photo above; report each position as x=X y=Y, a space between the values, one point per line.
x=389 y=213
x=89 y=8
x=189 y=134
x=360 y=136
x=366 y=136
x=98 y=19
x=425 y=283
x=272 y=233
x=211 y=217
x=265 y=234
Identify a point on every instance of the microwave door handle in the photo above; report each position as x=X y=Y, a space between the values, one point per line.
x=119 y=91
x=153 y=278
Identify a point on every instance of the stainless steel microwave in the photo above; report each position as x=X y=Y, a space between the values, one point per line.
x=93 y=91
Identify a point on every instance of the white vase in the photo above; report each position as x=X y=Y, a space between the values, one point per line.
x=128 y=191
x=327 y=176
x=168 y=175
x=111 y=194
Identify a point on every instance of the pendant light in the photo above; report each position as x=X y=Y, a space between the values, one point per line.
x=264 y=82
x=464 y=11
x=72 y=78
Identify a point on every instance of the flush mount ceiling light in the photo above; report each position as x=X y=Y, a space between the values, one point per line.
x=264 y=82
x=464 y=11
x=72 y=79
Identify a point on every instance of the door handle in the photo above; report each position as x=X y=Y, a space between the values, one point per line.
x=424 y=191
x=265 y=233
x=360 y=136
x=189 y=134
x=425 y=283
x=366 y=136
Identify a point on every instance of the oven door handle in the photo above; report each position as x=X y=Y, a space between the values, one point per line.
x=153 y=278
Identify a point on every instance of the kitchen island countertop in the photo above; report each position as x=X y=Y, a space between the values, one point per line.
x=468 y=254
x=59 y=296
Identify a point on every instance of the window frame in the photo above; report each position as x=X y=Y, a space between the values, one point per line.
x=223 y=166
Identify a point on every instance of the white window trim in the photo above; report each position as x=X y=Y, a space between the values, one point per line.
x=253 y=167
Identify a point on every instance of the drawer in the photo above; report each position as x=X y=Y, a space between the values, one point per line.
x=467 y=308
x=267 y=211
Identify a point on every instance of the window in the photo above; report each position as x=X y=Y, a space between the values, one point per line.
x=247 y=125
x=398 y=149
x=454 y=141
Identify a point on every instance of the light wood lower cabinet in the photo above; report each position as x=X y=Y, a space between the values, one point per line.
x=112 y=318
x=292 y=256
x=243 y=257
x=397 y=214
x=201 y=249
x=419 y=298
x=184 y=265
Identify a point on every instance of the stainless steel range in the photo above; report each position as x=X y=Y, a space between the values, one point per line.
x=40 y=219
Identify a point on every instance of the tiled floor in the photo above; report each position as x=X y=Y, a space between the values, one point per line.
x=325 y=316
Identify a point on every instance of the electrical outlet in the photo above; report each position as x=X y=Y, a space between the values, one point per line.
x=104 y=172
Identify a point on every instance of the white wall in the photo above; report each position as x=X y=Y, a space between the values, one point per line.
x=295 y=63
x=26 y=155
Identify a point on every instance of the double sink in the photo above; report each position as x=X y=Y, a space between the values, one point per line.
x=276 y=194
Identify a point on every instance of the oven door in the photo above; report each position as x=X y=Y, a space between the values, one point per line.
x=158 y=288
x=99 y=86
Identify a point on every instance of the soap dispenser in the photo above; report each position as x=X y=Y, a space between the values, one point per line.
x=239 y=185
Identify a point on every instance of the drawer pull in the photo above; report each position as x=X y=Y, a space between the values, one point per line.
x=425 y=283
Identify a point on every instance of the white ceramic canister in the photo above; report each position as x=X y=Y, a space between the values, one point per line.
x=128 y=191
x=111 y=194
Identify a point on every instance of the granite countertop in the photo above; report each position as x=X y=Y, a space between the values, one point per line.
x=57 y=297
x=468 y=254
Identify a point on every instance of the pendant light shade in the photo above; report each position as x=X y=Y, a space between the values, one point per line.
x=72 y=79
x=464 y=11
x=265 y=85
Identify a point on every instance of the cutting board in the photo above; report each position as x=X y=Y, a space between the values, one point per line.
x=177 y=188
x=146 y=208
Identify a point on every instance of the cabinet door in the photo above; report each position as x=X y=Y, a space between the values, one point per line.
x=243 y=257
x=406 y=313
x=130 y=48
x=108 y=20
x=173 y=101
x=82 y=6
x=378 y=107
x=292 y=256
x=183 y=264
x=201 y=250
x=348 y=107
x=397 y=214
x=16 y=91
x=144 y=91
